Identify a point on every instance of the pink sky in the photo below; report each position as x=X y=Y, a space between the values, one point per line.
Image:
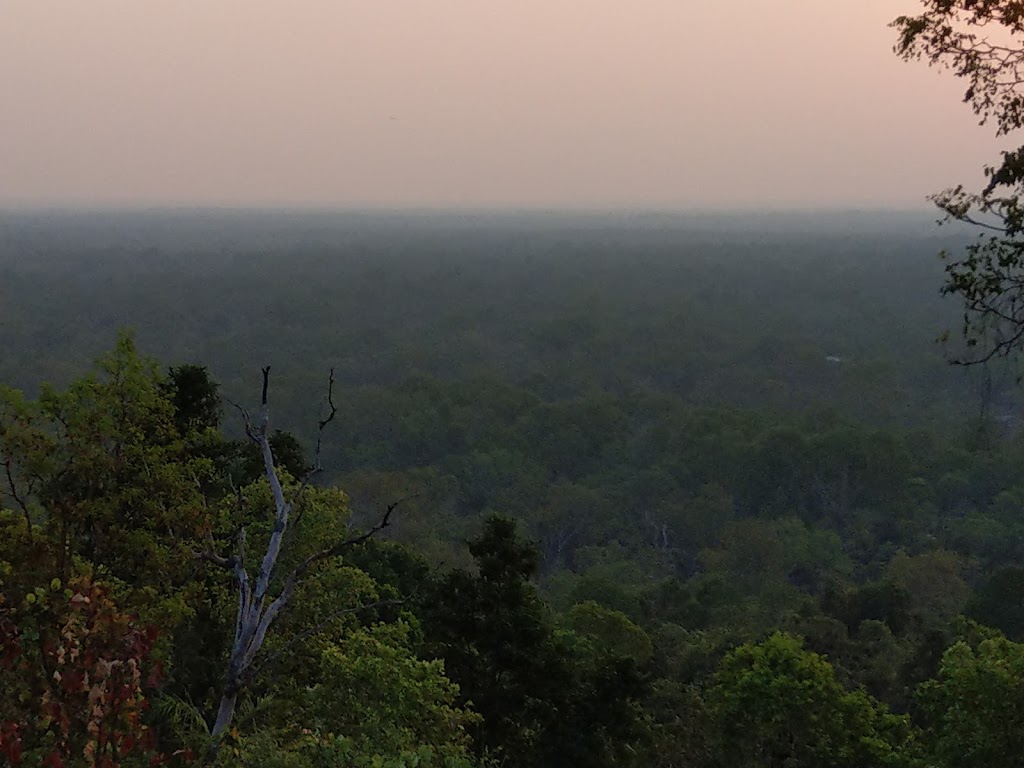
x=474 y=103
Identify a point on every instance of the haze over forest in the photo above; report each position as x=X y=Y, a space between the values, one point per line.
x=470 y=385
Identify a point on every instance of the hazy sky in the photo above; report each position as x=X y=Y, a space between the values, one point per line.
x=666 y=103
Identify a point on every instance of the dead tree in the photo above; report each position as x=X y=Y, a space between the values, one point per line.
x=257 y=608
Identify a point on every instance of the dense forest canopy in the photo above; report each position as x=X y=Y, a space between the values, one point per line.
x=471 y=489
x=778 y=311
x=713 y=474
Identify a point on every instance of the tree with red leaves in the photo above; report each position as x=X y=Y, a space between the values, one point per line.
x=75 y=671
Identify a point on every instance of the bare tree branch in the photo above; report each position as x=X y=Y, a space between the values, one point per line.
x=212 y=557
x=317 y=467
x=341 y=546
x=13 y=492
x=246 y=420
x=257 y=611
x=330 y=417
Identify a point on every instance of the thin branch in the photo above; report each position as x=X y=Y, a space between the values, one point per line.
x=999 y=349
x=968 y=219
x=317 y=467
x=341 y=546
x=295 y=577
x=240 y=505
x=241 y=547
x=206 y=555
x=246 y=419
x=330 y=402
x=13 y=490
x=298 y=500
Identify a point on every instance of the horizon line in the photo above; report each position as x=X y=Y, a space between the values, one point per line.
x=530 y=209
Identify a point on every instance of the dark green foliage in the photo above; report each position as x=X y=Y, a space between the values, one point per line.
x=240 y=460
x=728 y=310
x=974 y=705
x=542 y=703
x=196 y=398
x=776 y=705
x=877 y=601
x=695 y=473
x=101 y=472
x=999 y=602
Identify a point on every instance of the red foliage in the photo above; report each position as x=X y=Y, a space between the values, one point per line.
x=86 y=665
x=10 y=743
x=10 y=642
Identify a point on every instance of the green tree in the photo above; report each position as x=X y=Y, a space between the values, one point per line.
x=196 y=397
x=544 y=704
x=611 y=631
x=974 y=704
x=368 y=702
x=776 y=704
x=292 y=559
x=119 y=475
x=100 y=471
x=934 y=583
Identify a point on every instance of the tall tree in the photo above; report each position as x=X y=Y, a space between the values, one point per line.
x=287 y=563
x=544 y=702
x=195 y=395
x=99 y=471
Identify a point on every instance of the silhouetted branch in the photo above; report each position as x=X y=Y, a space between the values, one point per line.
x=317 y=468
x=341 y=546
x=330 y=402
x=13 y=491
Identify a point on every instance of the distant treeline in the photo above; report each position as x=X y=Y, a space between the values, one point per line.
x=757 y=311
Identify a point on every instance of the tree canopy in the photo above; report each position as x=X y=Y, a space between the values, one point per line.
x=982 y=42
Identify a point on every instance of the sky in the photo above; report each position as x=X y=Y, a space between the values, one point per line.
x=670 y=104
